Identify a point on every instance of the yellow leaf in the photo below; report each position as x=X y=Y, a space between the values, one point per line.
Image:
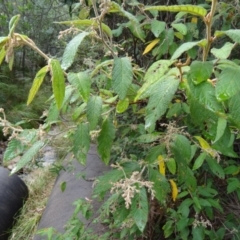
x=161 y=164
x=151 y=45
x=205 y=146
x=178 y=35
x=174 y=189
x=194 y=20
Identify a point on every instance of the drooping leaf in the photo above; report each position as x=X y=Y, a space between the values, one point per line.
x=199 y=161
x=228 y=83
x=174 y=189
x=71 y=50
x=105 y=140
x=89 y=23
x=215 y=167
x=161 y=165
x=171 y=165
x=58 y=82
x=3 y=41
x=192 y=9
x=94 y=110
x=200 y=71
x=122 y=105
x=159 y=101
x=223 y=52
x=205 y=146
x=14 y=149
x=153 y=74
x=82 y=82
x=157 y=27
x=234 y=34
x=81 y=143
x=186 y=46
x=28 y=156
x=122 y=76
x=182 y=28
x=221 y=126
x=140 y=209
x=151 y=45
x=37 y=82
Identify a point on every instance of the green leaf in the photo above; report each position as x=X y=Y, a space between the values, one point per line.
x=231 y=169
x=2 y=54
x=157 y=27
x=105 y=140
x=200 y=71
x=192 y=9
x=82 y=82
x=215 y=167
x=28 y=156
x=182 y=28
x=199 y=161
x=186 y=46
x=37 y=82
x=13 y=23
x=160 y=100
x=168 y=228
x=122 y=105
x=14 y=149
x=94 y=110
x=234 y=109
x=148 y=138
x=234 y=34
x=89 y=23
x=139 y=209
x=223 y=52
x=81 y=142
x=221 y=126
x=122 y=76
x=228 y=83
x=71 y=50
x=3 y=41
x=63 y=186
x=153 y=74
x=58 y=82
x=136 y=30
x=198 y=233
x=233 y=185
x=171 y=165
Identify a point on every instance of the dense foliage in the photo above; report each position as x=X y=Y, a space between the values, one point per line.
x=157 y=88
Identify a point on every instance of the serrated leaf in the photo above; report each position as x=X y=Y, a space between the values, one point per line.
x=58 y=82
x=94 y=110
x=199 y=161
x=122 y=76
x=37 y=82
x=14 y=149
x=122 y=105
x=174 y=189
x=81 y=142
x=234 y=34
x=215 y=167
x=157 y=27
x=28 y=156
x=182 y=28
x=140 y=209
x=161 y=165
x=223 y=52
x=171 y=165
x=105 y=140
x=71 y=50
x=192 y=9
x=200 y=71
x=89 y=23
x=151 y=45
x=82 y=82
x=228 y=83
x=186 y=46
x=159 y=101
x=221 y=126
x=154 y=73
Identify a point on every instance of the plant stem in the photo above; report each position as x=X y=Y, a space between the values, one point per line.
x=208 y=21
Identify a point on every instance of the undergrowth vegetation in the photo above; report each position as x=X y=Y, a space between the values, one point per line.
x=162 y=105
